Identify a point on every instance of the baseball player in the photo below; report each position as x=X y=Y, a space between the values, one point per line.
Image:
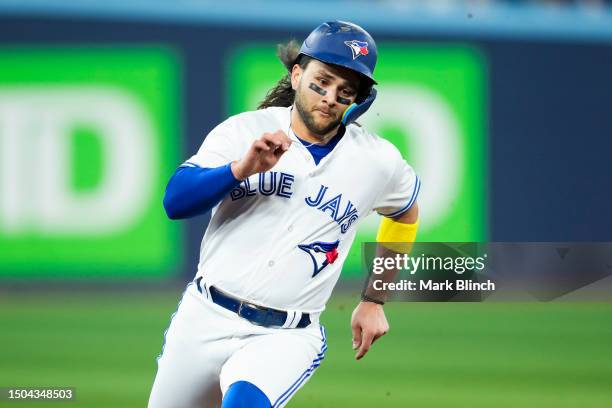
x=287 y=185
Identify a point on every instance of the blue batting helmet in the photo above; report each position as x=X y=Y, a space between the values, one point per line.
x=344 y=44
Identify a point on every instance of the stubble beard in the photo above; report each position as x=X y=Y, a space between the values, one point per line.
x=309 y=119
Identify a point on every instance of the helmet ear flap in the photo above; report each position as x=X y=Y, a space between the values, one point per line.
x=355 y=110
x=365 y=89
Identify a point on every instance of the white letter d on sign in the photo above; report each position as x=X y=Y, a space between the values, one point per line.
x=35 y=173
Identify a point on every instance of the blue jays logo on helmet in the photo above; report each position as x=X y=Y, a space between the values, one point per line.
x=358 y=48
x=328 y=42
x=321 y=254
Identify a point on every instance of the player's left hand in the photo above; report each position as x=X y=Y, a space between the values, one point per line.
x=368 y=324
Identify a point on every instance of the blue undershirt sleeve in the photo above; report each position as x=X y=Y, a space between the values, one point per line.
x=193 y=191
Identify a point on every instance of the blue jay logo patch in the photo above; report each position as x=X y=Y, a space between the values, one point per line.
x=321 y=254
x=358 y=48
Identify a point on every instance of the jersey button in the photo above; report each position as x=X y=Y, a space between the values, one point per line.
x=290 y=228
x=310 y=174
x=271 y=263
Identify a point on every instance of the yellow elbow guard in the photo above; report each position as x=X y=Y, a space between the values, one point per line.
x=397 y=236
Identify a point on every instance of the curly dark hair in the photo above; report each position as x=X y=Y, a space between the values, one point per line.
x=283 y=94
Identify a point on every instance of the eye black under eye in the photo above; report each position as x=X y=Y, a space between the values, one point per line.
x=317 y=89
x=344 y=101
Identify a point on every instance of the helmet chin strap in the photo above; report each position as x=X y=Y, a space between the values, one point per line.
x=355 y=110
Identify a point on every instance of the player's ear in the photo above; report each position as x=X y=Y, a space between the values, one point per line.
x=296 y=74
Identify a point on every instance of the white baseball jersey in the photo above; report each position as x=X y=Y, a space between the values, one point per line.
x=280 y=238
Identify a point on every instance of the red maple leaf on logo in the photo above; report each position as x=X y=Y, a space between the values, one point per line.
x=331 y=255
x=364 y=50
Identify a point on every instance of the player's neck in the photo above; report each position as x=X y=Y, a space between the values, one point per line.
x=300 y=129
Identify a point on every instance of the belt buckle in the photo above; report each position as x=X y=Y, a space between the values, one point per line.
x=247 y=305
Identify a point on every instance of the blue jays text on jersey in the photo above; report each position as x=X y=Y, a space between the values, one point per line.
x=280 y=184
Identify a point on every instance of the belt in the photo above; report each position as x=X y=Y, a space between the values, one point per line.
x=258 y=315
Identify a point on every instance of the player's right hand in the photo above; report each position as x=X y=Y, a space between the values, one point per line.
x=368 y=324
x=263 y=154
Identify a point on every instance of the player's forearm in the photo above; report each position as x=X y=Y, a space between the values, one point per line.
x=194 y=190
x=374 y=289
